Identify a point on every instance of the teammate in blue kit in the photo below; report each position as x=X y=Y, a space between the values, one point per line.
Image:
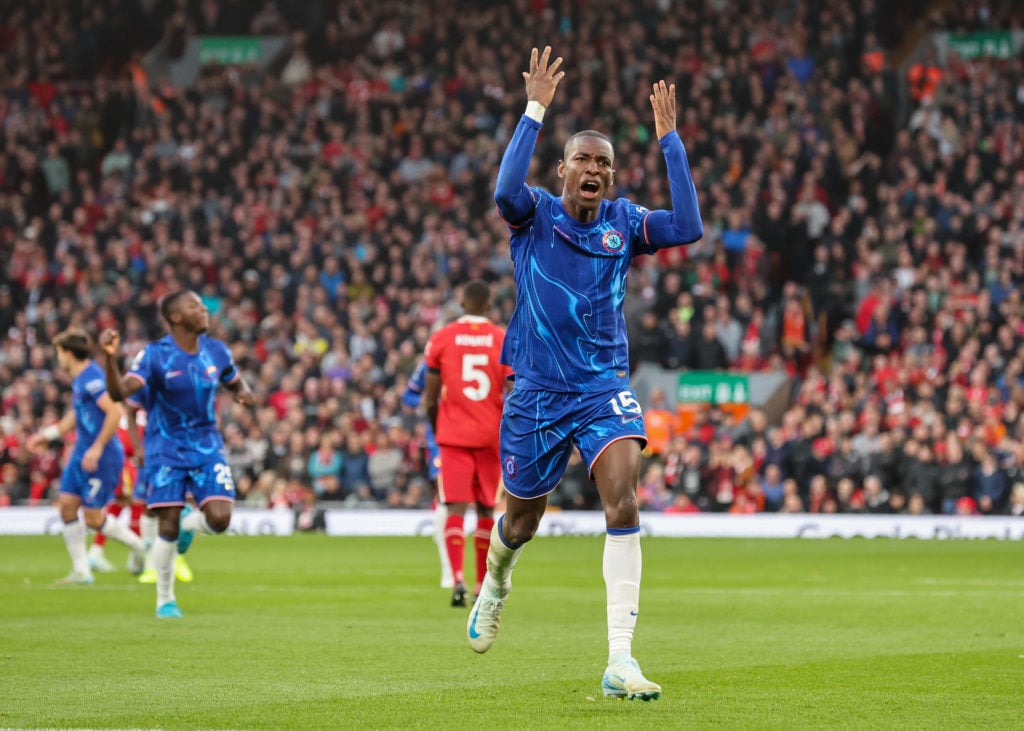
x=567 y=345
x=93 y=471
x=184 y=449
x=411 y=397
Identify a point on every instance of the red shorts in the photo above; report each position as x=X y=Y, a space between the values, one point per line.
x=469 y=475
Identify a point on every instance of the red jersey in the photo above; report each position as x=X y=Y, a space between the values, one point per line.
x=466 y=355
x=125 y=437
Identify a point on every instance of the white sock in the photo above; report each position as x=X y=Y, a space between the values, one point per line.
x=196 y=521
x=622 y=569
x=501 y=559
x=95 y=551
x=74 y=540
x=113 y=528
x=440 y=516
x=164 y=552
x=148 y=526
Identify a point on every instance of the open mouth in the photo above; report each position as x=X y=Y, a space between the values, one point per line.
x=590 y=188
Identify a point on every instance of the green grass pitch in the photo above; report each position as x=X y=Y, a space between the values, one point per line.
x=312 y=631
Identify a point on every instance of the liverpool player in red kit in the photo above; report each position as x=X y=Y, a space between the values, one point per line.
x=463 y=397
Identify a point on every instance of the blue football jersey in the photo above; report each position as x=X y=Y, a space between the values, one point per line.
x=86 y=389
x=181 y=390
x=568 y=329
x=414 y=387
x=411 y=397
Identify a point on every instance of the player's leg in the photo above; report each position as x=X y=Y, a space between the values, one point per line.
x=440 y=520
x=482 y=543
x=440 y=514
x=455 y=549
x=455 y=491
x=488 y=478
x=214 y=491
x=534 y=456
x=122 y=497
x=97 y=553
x=502 y=555
x=610 y=442
x=164 y=551
x=148 y=524
x=165 y=499
x=73 y=531
x=148 y=529
x=106 y=525
x=616 y=471
x=97 y=514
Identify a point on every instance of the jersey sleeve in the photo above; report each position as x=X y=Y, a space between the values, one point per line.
x=662 y=229
x=139 y=399
x=229 y=372
x=516 y=201
x=414 y=387
x=95 y=388
x=142 y=364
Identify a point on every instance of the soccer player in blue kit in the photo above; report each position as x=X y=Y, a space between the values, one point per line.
x=567 y=345
x=184 y=449
x=93 y=471
x=411 y=397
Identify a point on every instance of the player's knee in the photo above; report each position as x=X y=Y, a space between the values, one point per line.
x=217 y=517
x=94 y=522
x=518 y=531
x=622 y=511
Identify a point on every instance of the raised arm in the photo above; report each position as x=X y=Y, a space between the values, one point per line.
x=681 y=225
x=118 y=387
x=513 y=196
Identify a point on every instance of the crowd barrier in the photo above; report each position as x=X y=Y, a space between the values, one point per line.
x=248 y=521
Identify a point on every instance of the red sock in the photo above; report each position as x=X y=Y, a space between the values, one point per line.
x=137 y=510
x=113 y=510
x=481 y=542
x=455 y=543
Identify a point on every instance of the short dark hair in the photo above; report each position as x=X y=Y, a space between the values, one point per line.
x=168 y=301
x=476 y=296
x=76 y=341
x=586 y=133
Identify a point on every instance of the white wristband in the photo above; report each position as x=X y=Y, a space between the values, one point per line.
x=535 y=111
x=51 y=433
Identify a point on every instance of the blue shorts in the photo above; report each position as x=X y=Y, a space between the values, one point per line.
x=96 y=489
x=540 y=428
x=169 y=486
x=143 y=478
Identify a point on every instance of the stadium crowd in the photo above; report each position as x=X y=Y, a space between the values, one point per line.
x=864 y=232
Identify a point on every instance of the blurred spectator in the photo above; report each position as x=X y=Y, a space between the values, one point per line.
x=325 y=470
x=991 y=485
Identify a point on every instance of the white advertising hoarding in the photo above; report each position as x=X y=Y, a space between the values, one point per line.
x=248 y=521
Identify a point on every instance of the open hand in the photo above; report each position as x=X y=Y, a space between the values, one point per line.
x=663 y=101
x=91 y=459
x=542 y=79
